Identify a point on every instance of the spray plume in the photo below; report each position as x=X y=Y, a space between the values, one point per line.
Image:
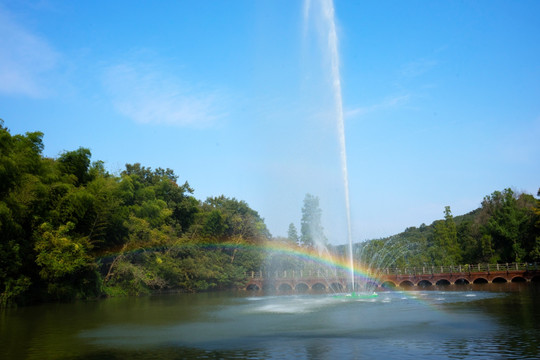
x=328 y=16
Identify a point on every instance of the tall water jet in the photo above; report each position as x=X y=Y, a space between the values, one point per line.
x=328 y=16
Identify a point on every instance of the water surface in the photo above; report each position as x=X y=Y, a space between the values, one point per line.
x=459 y=322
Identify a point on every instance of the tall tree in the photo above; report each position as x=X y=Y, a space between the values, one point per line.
x=292 y=235
x=507 y=225
x=446 y=249
x=76 y=163
x=312 y=231
x=225 y=218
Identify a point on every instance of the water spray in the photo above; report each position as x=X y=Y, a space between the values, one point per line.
x=329 y=17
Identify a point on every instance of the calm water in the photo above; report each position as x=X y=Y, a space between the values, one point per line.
x=463 y=322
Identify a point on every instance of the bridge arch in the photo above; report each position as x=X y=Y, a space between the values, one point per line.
x=253 y=287
x=318 y=287
x=301 y=287
x=424 y=283
x=391 y=278
x=480 y=280
x=406 y=283
x=285 y=287
x=443 y=282
x=269 y=287
x=388 y=284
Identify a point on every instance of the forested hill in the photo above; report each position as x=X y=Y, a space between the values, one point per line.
x=506 y=228
x=69 y=229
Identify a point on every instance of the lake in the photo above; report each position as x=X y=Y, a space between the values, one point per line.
x=491 y=321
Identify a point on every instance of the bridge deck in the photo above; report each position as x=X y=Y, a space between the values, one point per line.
x=392 y=277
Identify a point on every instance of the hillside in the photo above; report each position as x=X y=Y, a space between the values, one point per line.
x=506 y=228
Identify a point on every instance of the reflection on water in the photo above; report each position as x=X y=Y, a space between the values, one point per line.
x=461 y=322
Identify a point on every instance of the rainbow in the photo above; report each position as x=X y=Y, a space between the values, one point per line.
x=361 y=272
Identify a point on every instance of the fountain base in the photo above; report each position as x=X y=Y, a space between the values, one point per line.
x=355 y=295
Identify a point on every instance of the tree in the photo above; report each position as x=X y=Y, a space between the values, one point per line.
x=62 y=220
x=535 y=250
x=507 y=225
x=292 y=235
x=312 y=231
x=65 y=263
x=21 y=191
x=446 y=250
x=76 y=163
x=229 y=218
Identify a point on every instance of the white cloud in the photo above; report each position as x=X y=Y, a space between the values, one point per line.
x=149 y=96
x=25 y=59
x=417 y=67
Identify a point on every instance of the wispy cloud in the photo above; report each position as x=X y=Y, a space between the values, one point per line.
x=149 y=96
x=388 y=103
x=25 y=59
x=417 y=67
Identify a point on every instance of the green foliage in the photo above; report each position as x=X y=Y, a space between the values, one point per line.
x=76 y=164
x=292 y=234
x=312 y=231
x=59 y=218
x=181 y=267
x=505 y=229
x=69 y=229
x=511 y=225
x=444 y=249
x=64 y=262
x=221 y=219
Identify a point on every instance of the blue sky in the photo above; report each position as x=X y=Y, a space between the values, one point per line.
x=441 y=99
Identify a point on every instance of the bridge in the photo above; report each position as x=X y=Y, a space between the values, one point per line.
x=333 y=280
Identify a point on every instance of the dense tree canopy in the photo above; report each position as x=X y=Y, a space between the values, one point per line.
x=506 y=228
x=70 y=229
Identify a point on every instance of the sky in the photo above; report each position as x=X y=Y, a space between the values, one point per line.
x=441 y=100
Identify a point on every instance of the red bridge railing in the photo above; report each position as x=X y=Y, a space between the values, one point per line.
x=435 y=270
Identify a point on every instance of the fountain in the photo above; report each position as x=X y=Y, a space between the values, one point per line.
x=328 y=266
x=328 y=15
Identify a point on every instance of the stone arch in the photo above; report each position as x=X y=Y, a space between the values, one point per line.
x=480 y=280
x=406 y=283
x=536 y=278
x=269 y=287
x=318 y=287
x=518 y=279
x=301 y=287
x=499 y=280
x=443 y=282
x=461 y=281
x=285 y=287
x=253 y=287
x=388 y=285
x=424 y=283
